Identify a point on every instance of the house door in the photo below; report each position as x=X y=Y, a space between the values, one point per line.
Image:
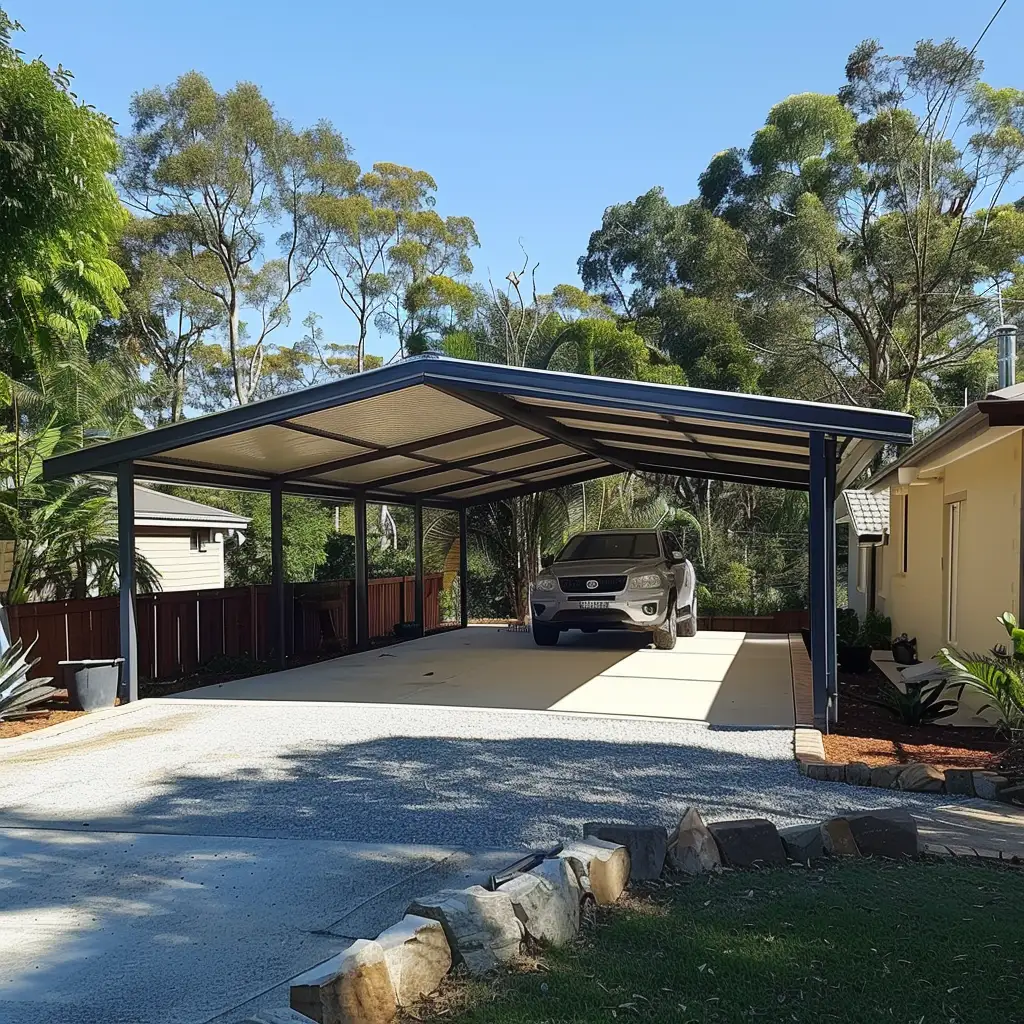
x=952 y=568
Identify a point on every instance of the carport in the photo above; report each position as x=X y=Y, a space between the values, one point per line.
x=448 y=433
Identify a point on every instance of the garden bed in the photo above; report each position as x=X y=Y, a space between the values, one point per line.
x=872 y=734
x=867 y=941
x=50 y=712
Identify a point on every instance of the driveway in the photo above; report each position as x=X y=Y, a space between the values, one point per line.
x=178 y=860
x=724 y=678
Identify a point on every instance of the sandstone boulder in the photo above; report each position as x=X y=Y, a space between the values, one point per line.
x=601 y=868
x=547 y=901
x=692 y=849
x=647 y=845
x=748 y=843
x=417 y=955
x=353 y=987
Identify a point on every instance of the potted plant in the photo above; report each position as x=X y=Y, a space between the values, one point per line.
x=853 y=649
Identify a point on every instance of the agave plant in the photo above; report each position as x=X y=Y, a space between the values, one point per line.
x=922 y=703
x=999 y=675
x=18 y=693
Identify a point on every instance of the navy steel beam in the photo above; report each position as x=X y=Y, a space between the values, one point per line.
x=126 y=581
x=463 y=568
x=362 y=593
x=277 y=608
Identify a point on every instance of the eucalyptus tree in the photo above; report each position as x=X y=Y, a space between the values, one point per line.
x=217 y=172
x=881 y=212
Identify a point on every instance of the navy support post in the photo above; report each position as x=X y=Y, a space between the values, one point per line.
x=126 y=580
x=463 y=569
x=277 y=603
x=822 y=574
x=362 y=595
x=417 y=526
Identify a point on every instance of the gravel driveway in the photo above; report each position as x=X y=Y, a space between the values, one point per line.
x=400 y=773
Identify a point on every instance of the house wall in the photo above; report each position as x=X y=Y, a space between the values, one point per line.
x=855 y=599
x=988 y=483
x=181 y=568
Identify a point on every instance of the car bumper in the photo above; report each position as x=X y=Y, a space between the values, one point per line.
x=644 y=611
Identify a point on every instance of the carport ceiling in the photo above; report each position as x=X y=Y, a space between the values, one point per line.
x=451 y=432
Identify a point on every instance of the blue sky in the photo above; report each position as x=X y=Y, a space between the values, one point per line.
x=533 y=117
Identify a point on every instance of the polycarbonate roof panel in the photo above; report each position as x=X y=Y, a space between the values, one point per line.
x=533 y=458
x=685 y=431
x=735 y=455
x=443 y=478
x=398 y=417
x=269 y=449
x=368 y=472
x=482 y=444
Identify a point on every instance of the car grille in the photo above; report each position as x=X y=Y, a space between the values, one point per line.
x=605 y=584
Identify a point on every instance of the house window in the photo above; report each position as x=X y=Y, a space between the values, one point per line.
x=197 y=540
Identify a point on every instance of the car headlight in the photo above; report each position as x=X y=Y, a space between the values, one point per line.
x=649 y=581
x=544 y=583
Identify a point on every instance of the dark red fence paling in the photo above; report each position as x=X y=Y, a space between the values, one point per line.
x=181 y=630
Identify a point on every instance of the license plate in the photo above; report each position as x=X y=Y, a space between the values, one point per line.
x=594 y=605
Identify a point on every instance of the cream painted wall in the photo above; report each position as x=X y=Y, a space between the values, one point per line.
x=181 y=568
x=988 y=483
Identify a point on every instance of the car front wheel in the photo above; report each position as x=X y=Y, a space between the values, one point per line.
x=544 y=636
x=665 y=634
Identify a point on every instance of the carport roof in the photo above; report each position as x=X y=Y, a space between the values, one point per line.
x=452 y=432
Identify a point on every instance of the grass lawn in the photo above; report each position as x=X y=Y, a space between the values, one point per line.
x=919 y=943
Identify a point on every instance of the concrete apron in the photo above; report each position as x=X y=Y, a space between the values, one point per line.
x=130 y=928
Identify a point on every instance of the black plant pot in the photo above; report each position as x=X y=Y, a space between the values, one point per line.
x=92 y=684
x=856 y=659
x=408 y=630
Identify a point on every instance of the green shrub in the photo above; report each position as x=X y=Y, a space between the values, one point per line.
x=998 y=675
x=922 y=703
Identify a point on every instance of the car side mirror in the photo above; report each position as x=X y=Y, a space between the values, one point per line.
x=547 y=560
x=678 y=557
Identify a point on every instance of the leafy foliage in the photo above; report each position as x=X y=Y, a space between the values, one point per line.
x=18 y=693
x=999 y=676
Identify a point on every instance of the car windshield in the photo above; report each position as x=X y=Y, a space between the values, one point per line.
x=597 y=546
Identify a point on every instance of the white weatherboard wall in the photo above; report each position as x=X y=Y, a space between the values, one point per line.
x=181 y=568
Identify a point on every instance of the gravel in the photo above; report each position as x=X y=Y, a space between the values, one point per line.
x=398 y=773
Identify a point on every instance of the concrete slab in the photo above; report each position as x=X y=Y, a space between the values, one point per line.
x=726 y=679
x=122 y=928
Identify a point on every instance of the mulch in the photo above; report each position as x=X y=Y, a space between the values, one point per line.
x=52 y=712
x=866 y=732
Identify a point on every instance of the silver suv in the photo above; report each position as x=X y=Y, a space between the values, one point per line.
x=616 y=579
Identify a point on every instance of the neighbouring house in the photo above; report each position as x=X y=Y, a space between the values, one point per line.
x=183 y=540
x=936 y=536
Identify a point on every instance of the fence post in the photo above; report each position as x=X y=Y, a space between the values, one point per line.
x=126 y=580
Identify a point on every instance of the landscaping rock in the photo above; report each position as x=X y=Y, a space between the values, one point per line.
x=647 y=845
x=858 y=774
x=827 y=771
x=1012 y=794
x=749 y=843
x=692 y=849
x=890 y=834
x=988 y=784
x=838 y=838
x=353 y=987
x=886 y=776
x=481 y=927
x=417 y=955
x=960 y=781
x=921 y=778
x=547 y=901
x=802 y=843
x=601 y=868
